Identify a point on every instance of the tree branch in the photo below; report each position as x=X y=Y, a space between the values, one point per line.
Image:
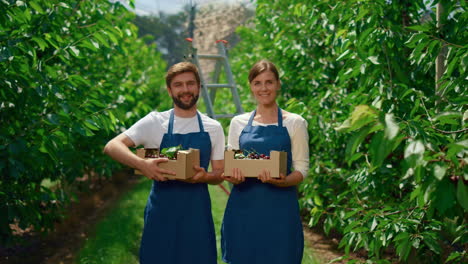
x=450 y=132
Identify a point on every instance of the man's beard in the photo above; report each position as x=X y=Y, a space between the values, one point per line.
x=183 y=105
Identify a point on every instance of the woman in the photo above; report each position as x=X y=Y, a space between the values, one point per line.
x=262 y=223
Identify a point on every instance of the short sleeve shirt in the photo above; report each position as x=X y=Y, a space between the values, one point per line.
x=150 y=130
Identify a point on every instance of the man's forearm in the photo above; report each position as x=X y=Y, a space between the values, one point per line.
x=121 y=153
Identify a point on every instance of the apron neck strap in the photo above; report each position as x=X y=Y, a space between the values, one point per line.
x=171 y=123
x=280 y=117
x=200 y=123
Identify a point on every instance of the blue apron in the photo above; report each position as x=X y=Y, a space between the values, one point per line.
x=261 y=222
x=178 y=225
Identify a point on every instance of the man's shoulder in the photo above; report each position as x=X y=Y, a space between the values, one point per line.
x=159 y=116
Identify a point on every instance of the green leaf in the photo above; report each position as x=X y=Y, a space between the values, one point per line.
x=355 y=141
x=414 y=148
x=374 y=59
x=439 y=171
x=53 y=119
x=411 y=43
x=462 y=194
x=64 y=5
x=423 y=27
x=112 y=117
x=112 y=37
x=444 y=197
x=361 y=116
x=452 y=65
x=317 y=200
x=453 y=256
x=351 y=226
x=360 y=229
x=374 y=224
x=90 y=44
x=391 y=127
x=362 y=12
x=452 y=118
x=100 y=38
x=432 y=244
x=363 y=37
x=403 y=245
x=42 y=44
x=379 y=149
x=171 y=152
x=36 y=7
x=91 y=124
x=415 y=193
x=343 y=55
x=75 y=52
x=455 y=148
x=350 y=213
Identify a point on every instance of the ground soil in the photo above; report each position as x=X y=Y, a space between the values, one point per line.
x=61 y=246
x=325 y=248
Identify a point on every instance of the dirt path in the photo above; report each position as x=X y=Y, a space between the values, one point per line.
x=326 y=248
x=61 y=246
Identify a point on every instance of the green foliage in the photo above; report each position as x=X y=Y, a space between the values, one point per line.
x=171 y=152
x=388 y=150
x=74 y=74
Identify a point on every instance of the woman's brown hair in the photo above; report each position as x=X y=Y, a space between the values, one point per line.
x=262 y=66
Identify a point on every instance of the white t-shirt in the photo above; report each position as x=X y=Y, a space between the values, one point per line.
x=150 y=130
x=297 y=130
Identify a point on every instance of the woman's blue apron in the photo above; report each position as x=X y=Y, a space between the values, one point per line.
x=262 y=223
x=178 y=225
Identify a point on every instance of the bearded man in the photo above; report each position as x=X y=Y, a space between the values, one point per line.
x=178 y=224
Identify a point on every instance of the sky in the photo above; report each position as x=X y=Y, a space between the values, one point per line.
x=147 y=7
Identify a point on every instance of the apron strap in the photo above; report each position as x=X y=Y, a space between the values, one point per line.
x=252 y=117
x=280 y=118
x=171 y=123
x=200 y=123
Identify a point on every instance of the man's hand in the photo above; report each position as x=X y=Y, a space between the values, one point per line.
x=236 y=178
x=150 y=168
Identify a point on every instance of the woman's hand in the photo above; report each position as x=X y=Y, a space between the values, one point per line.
x=236 y=178
x=265 y=177
x=150 y=168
